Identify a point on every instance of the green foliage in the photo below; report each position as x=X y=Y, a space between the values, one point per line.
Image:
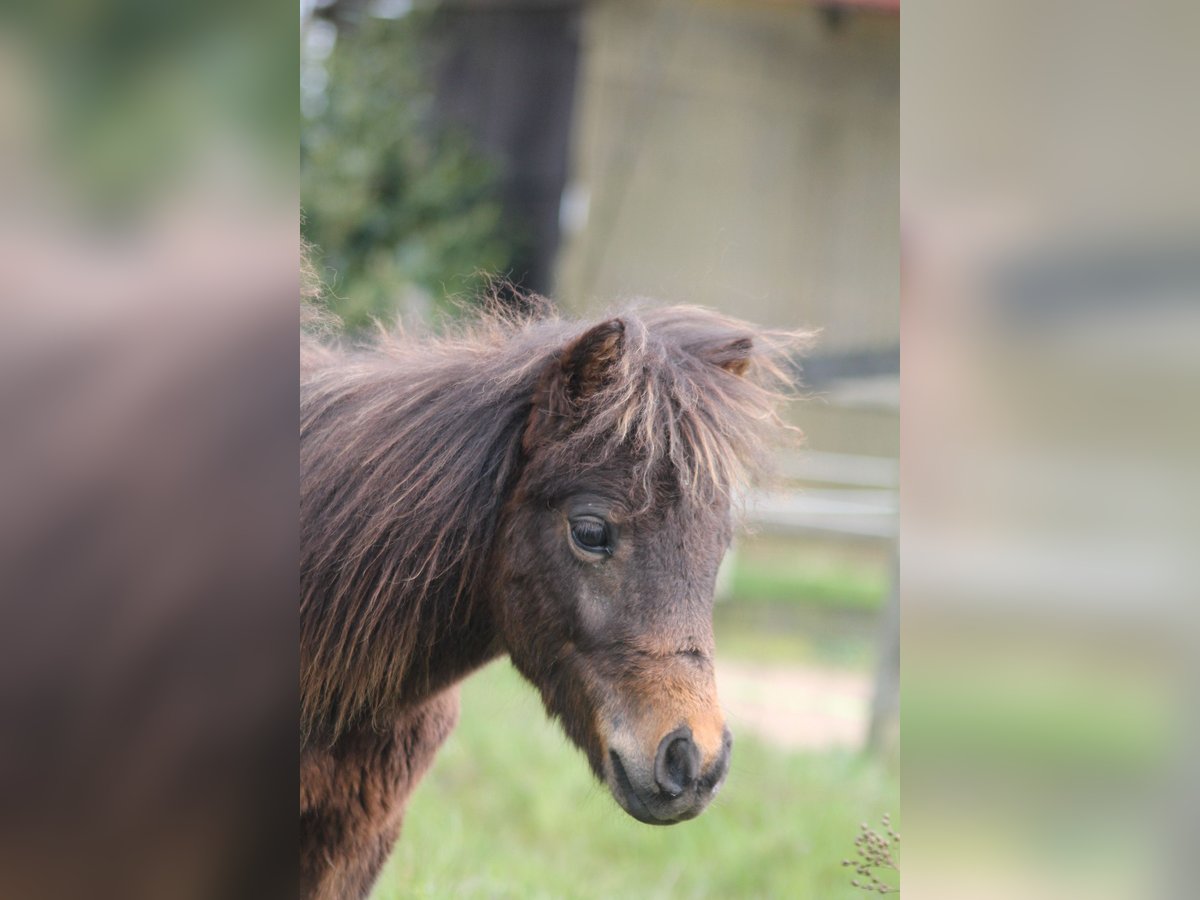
x=401 y=213
x=128 y=104
x=510 y=809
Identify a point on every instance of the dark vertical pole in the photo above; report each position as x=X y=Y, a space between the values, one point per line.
x=505 y=74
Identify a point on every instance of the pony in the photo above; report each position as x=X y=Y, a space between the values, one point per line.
x=524 y=484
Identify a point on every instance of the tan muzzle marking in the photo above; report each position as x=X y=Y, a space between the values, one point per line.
x=708 y=733
x=670 y=698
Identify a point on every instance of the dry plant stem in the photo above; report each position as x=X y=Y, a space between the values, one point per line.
x=874 y=851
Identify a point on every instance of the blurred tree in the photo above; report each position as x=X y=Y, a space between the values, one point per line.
x=402 y=211
x=505 y=73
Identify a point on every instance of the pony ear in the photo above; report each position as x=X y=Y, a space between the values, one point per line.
x=587 y=363
x=733 y=357
x=577 y=372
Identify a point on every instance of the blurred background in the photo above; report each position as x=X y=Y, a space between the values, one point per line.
x=149 y=474
x=740 y=155
x=1051 y=376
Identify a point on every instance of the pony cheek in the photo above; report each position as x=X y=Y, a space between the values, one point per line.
x=524 y=607
x=593 y=610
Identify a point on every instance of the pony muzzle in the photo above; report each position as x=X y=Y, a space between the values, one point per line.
x=673 y=783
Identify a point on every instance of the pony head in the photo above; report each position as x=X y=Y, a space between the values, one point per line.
x=640 y=431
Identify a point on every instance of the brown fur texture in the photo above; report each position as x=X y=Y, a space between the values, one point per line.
x=353 y=793
x=444 y=480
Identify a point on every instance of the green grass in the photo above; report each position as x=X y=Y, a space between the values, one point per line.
x=511 y=810
x=1102 y=720
x=777 y=634
x=786 y=601
x=830 y=587
x=766 y=569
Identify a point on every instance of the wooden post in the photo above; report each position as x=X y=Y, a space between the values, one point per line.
x=883 y=726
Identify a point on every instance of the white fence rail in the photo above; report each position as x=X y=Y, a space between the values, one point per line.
x=835 y=494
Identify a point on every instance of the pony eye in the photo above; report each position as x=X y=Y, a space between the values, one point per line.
x=590 y=534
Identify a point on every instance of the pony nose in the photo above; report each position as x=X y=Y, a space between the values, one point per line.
x=677 y=763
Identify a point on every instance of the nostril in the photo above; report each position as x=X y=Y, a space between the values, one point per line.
x=681 y=761
x=677 y=764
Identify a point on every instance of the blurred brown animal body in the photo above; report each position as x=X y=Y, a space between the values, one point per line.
x=530 y=486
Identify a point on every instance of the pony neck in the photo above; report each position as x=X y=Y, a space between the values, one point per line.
x=460 y=645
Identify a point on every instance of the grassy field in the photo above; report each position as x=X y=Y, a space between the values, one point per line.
x=811 y=574
x=789 y=635
x=807 y=602
x=511 y=810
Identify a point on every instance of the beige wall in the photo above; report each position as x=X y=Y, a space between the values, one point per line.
x=743 y=156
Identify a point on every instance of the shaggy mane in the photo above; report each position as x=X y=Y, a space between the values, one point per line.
x=411 y=446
